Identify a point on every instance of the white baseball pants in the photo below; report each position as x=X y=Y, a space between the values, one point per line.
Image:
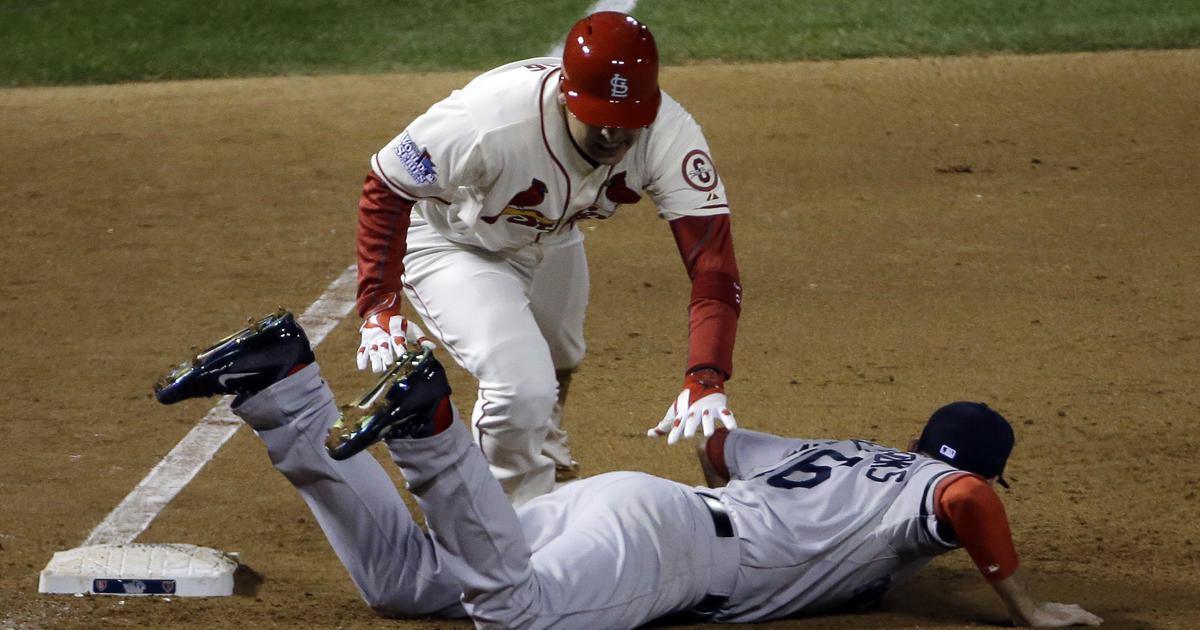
x=512 y=321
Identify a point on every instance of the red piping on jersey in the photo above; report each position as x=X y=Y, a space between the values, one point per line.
x=546 y=139
x=599 y=191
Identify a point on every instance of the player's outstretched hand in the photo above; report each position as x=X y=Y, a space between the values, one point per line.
x=385 y=336
x=1054 y=615
x=701 y=404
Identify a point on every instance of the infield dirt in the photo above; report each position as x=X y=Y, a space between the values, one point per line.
x=1017 y=230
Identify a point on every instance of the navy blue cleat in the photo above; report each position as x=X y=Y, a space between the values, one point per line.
x=403 y=404
x=246 y=362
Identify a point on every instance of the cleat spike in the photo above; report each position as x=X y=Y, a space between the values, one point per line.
x=401 y=404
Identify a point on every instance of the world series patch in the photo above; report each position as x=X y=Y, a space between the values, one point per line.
x=416 y=160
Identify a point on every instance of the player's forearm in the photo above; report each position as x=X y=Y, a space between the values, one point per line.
x=1014 y=592
x=710 y=451
x=383 y=219
x=1027 y=611
x=706 y=248
x=712 y=331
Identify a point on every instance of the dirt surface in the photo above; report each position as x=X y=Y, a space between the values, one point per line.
x=1017 y=230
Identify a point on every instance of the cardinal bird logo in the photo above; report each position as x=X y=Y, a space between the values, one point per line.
x=620 y=192
x=519 y=211
x=530 y=197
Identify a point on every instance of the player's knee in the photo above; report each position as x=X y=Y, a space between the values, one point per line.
x=504 y=609
x=524 y=403
x=540 y=387
x=568 y=356
x=388 y=604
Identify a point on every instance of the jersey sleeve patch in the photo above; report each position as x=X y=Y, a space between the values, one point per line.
x=416 y=160
x=698 y=171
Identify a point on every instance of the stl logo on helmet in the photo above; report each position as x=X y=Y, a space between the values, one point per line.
x=619 y=86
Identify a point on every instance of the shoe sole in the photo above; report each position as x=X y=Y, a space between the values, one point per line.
x=563 y=474
x=346 y=440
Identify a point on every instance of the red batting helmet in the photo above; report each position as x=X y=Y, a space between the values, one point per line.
x=610 y=71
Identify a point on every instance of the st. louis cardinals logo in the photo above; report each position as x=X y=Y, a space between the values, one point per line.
x=618 y=86
x=617 y=191
x=530 y=197
x=520 y=208
x=524 y=216
x=591 y=212
x=698 y=171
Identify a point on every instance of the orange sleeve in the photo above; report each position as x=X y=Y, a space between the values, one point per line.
x=706 y=246
x=383 y=218
x=975 y=512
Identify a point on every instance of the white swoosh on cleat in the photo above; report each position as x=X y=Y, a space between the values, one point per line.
x=225 y=378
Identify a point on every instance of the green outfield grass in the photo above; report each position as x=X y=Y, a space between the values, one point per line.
x=106 y=41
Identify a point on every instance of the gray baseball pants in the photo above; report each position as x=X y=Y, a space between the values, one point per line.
x=612 y=551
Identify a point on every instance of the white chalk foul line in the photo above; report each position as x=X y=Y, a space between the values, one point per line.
x=133 y=515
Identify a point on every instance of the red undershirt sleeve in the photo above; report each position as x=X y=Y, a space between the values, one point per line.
x=975 y=512
x=706 y=247
x=383 y=218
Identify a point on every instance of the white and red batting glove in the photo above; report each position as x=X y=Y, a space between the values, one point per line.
x=701 y=403
x=386 y=335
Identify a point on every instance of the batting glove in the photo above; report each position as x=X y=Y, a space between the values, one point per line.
x=386 y=335
x=701 y=403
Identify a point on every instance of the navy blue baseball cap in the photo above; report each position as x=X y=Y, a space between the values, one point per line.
x=969 y=436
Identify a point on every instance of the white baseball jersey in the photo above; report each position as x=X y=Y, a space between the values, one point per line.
x=825 y=523
x=493 y=170
x=493 y=164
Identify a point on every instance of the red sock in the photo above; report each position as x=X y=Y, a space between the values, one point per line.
x=296 y=368
x=443 y=416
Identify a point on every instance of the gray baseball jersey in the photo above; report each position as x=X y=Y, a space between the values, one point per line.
x=805 y=525
x=824 y=523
